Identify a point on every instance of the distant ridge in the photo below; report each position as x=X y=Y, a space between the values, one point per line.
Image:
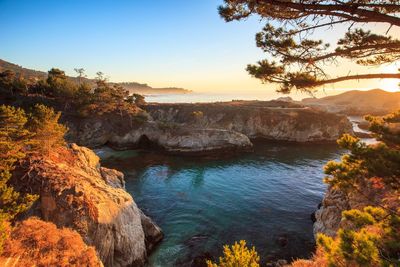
x=132 y=87
x=356 y=102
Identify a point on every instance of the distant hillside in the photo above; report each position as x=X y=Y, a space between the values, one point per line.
x=143 y=88
x=27 y=73
x=355 y=102
x=133 y=87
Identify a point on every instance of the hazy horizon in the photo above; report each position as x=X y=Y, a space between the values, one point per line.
x=172 y=44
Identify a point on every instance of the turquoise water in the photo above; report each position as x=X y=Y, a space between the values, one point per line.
x=265 y=197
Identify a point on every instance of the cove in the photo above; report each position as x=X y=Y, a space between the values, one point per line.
x=265 y=197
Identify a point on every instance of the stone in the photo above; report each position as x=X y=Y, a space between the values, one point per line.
x=329 y=215
x=76 y=192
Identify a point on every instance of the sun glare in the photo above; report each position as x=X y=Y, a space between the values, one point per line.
x=391 y=85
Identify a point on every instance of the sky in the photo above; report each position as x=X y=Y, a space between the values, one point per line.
x=161 y=43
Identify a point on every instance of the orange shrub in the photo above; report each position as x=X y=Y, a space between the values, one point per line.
x=34 y=242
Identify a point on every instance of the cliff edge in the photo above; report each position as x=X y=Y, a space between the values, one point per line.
x=76 y=192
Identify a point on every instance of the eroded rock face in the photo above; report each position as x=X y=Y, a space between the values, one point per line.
x=194 y=128
x=328 y=218
x=274 y=120
x=76 y=192
x=329 y=215
x=171 y=138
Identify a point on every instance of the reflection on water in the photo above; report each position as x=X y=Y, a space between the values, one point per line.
x=201 y=203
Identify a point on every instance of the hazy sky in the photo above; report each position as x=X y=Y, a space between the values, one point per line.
x=162 y=43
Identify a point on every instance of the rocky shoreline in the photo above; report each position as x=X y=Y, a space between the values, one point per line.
x=76 y=192
x=208 y=128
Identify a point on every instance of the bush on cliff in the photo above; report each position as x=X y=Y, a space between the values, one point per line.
x=368 y=237
x=62 y=93
x=14 y=140
x=22 y=135
x=34 y=242
x=48 y=133
x=237 y=255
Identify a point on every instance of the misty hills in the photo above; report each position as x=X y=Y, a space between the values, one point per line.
x=355 y=102
x=132 y=87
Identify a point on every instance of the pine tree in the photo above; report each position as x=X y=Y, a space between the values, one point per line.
x=43 y=121
x=14 y=143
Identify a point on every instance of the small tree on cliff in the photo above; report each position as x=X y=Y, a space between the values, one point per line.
x=14 y=143
x=237 y=255
x=370 y=237
x=43 y=121
x=300 y=60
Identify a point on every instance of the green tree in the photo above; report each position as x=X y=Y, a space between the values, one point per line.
x=370 y=238
x=237 y=255
x=49 y=134
x=14 y=144
x=81 y=74
x=299 y=61
x=375 y=164
x=137 y=99
x=12 y=85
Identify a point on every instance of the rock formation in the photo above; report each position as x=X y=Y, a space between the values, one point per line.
x=166 y=136
x=76 y=192
x=273 y=120
x=329 y=215
x=328 y=218
x=187 y=128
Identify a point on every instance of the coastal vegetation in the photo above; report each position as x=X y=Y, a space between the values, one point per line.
x=237 y=255
x=85 y=217
x=80 y=99
x=22 y=136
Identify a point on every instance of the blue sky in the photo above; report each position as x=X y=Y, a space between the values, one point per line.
x=162 y=43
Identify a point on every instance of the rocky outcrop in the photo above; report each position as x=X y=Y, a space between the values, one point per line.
x=76 y=192
x=274 y=120
x=328 y=218
x=166 y=136
x=329 y=215
x=198 y=128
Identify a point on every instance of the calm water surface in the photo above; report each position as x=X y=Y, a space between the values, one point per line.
x=201 y=203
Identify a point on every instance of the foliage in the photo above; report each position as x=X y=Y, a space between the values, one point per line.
x=369 y=239
x=22 y=135
x=237 y=255
x=364 y=164
x=14 y=142
x=300 y=60
x=64 y=94
x=10 y=84
x=42 y=243
x=379 y=162
x=43 y=121
x=138 y=99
